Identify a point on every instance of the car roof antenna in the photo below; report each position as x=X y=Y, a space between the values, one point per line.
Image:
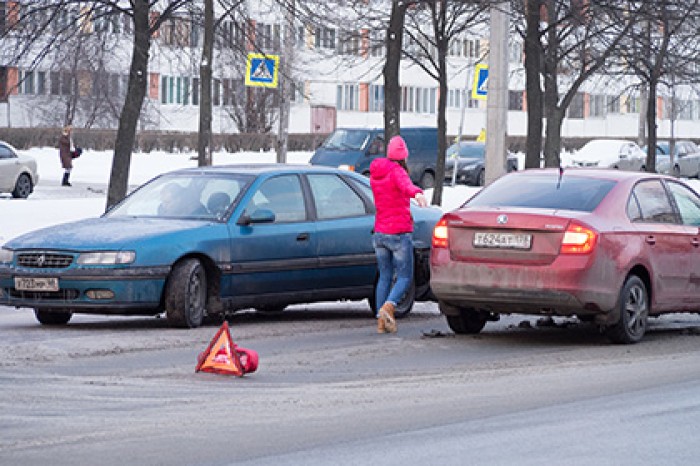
x=561 y=173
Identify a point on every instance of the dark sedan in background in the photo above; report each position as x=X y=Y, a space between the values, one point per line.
x=207 y=241
x=470 y=156
x=608 y=246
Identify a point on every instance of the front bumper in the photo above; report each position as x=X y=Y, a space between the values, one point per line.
x=134 y=290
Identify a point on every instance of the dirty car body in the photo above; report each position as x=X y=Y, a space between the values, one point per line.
x=247 y=236
x=604 y=245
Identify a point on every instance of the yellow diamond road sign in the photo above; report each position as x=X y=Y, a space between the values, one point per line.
x=262 y=70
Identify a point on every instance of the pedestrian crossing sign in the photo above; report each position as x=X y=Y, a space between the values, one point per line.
x=262 y=70
x=481 y=79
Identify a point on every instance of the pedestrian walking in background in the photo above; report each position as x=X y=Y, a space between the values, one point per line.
x=393 y=229
x=66 y=150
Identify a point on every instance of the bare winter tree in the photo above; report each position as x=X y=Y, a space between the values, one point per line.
x=447 y=21
x=576 y=40
x=662 y=49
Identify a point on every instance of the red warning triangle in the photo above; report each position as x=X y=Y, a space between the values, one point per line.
x=221 y=356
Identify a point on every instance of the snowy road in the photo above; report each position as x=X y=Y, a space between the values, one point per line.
x=331 y=391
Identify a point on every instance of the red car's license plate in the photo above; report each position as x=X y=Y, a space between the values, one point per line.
x=502 y=240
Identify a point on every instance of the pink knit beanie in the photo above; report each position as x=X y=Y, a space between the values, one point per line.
x=397 y=149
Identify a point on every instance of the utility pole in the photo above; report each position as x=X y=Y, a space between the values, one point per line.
x=497 y=91
x=286 y=82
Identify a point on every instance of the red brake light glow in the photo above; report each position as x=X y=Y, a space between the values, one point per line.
x=578 y=240
x=440 y=234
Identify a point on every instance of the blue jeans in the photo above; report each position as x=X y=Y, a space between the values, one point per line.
x=394 y=259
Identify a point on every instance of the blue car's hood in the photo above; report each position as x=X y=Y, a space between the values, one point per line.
x=104 y=233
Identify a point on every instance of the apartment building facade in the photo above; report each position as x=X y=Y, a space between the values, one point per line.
x=337 y=80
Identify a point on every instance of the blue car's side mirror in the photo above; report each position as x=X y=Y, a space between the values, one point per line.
x=258 y=216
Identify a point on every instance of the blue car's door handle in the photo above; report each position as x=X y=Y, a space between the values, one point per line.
x=303 y=237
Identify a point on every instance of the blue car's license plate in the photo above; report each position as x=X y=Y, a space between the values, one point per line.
x=36 y=284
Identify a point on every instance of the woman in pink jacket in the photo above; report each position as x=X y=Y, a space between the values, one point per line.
x=393 y=229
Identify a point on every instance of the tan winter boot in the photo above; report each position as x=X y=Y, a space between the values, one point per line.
x=386 y=315
x=381 y=326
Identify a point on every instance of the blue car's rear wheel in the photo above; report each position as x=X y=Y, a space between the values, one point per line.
x=186 y=294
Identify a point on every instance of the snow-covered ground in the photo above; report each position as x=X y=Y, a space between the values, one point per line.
x=51 y=203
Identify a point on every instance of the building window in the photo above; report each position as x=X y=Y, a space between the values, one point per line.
x=325 y=38
x=26 y=82
x=377 y=45
x=3 y=84
x=575 y=109
x=634 y=104
x=268 y=36
x=376 y=98
x=350 y=43
x=195 y=91
x=300 y=37
x=3 y=24
x=515 y=52
x=456 y=98
x=348 y=97
x=418 y=99
x=613 y=105
x=597 y=105
x=515 y=100
x=297 y=96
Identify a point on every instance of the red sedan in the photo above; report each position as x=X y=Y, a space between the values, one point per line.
x=607 y=246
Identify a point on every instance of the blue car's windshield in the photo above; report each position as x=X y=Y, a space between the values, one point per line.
x=347 y=139
x=184 y=195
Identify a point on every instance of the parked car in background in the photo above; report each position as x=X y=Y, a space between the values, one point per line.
x=686 y=159
x=608 y=246
x=18 y=172
x=355 y=148
x=607 y=153
x=208 y=241
x=470 y=156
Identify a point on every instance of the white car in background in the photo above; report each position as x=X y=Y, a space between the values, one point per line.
x=607 y=153
x=18 y=173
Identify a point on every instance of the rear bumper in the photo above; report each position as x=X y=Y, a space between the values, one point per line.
x=565 y=288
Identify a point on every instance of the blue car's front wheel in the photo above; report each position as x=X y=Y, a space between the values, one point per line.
x=186 y=294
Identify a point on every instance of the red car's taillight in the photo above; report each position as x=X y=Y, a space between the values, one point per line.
x=440 y=234
x=578 y=240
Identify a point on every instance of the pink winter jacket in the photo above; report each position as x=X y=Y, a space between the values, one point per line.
x=393 y=191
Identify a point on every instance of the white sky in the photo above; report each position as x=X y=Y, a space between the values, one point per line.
x=51 y=204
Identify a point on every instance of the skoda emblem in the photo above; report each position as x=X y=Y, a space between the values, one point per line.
x=40 y=260
x=502 y=219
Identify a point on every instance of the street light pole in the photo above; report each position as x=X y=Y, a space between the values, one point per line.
x=497 y=89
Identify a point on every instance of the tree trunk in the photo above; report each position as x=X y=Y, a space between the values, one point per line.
x=533 y=66
x=286 y=87
x=205 y=74
x=441 y=42
x=392 y=89
x=138 y=77
x=552 y=143
x=651 y=127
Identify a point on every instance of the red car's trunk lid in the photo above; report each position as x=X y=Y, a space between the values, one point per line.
x=505 y=236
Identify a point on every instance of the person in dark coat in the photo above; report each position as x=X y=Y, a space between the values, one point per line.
x=65 y=151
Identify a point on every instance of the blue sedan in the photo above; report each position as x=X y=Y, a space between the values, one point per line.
x=205 y=242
